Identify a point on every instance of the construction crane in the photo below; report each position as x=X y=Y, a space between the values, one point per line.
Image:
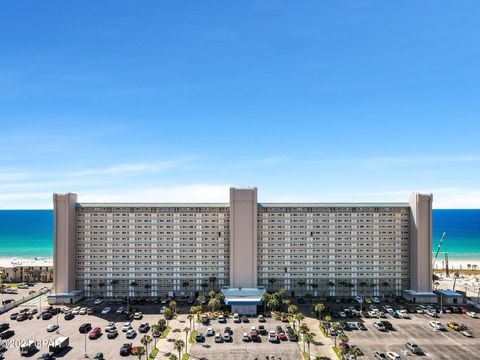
x=438 y=249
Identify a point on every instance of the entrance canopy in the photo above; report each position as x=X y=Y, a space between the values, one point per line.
x=243 y=296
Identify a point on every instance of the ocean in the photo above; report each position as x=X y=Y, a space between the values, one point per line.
x=29 y=233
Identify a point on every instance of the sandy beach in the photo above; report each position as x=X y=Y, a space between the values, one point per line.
x=16 y=262
x=457 y=264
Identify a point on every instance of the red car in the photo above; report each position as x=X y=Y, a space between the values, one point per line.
x=281 y=336
x=254 y=335
x=22 y=316
x=95 y=333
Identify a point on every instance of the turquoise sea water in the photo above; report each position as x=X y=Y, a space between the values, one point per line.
x=29 y=233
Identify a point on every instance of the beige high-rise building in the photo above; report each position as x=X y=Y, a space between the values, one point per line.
x=324 y=249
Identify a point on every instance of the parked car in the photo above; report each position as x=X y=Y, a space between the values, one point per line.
x=453 y=325
x=110 y=326
x=226 y=337
x=218 y=338
x=22 y=317
x=466 y=333
x=138 y=315
x=228 y=330
x=291 y=336
x=98 y=301
x=120 y=310
x=69 y=316
x=210 y=332
x=84 y=328
x=4 y=326
x=14 y=316
x=6 y=334
x=379 y=355
x=47 y=316
x=83 y=311
x=361 y=326
x=95 y=333
x=236 y=318
x=261 y=318
x=199 y=337
x=126 y=326
x=52 y=327
x=272 y=336
x=245 y=319
x=262 y=330
x=143 y=328
x=281 y=336
x=130 y=334
x=99 y=356
x=379 y=326
x=472 y=314
x=106 y=310
x=45 y=356
x=222 y=319
x=112 y=334
x=437 y=325
x=414 y=348
x=393 y=356
x=245 y=337
x=126 y=349
x=388 y=325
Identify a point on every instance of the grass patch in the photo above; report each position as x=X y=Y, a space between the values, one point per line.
x=336 y=350
x=191 y=339
x=305 y=355
x=165 y=333
x=154 y=352
x=185 y=356
x=322 y=330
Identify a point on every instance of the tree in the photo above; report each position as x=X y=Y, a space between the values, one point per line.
x=145 y=341
x=15 y=269
x=186 y=330
x=343 y=338
x=214 y=304
x=139 y=351
x=362 y=286
x=190 y=318
x=27 y=273
x=147 y=287
x=303 y=329
x=314 y=287
x=292 y=309
x=134 y=284
x=299 y=317
x=172 y=305
x=271 y=282
x=385 y=285
x=355 y=351
x=212 y=280
x=185 y=284
x=101 y=285
x=168 y=314
x=155 y=331
x=331 y=285
x=204 y=286
x=114 y=283
x=172 y=357
x=200 y=299
x=272 y=303
x=178 y=345
x=318 y=308
x=162 y=323
x=307 y=338
x=301 y=284
x=469 y=266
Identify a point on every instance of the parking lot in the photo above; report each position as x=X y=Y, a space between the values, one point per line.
x=239 y=349
x=21 y=292
x=448 y=344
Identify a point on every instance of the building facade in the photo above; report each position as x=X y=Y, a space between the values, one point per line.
x=343 y=249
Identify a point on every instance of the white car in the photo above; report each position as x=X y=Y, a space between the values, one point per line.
x=375 y=300
x=393 y=355
x=83 y=311
x=210 y=332
x=127 y=326
x=221 y=319
x=403 y=314
x=120 y=310
x=472 y=314
x=110 y=326
x=358 y=299
x=436 y=325
x=261 y=318
x=76 y=310
x=236 y=318
x=245 y=337
x=162 y=310
x=106 y=310
x=342 y=314
x=98 y=301
x=373 y=313
x=379 y=326
x=272 y=336
x=22 y=286
x=137 y=315
x=52 y=327
x=131 y=334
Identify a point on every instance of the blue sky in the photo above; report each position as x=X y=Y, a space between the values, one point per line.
x=309 y=101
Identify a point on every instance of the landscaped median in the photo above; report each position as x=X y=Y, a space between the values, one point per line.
x=185 y=356
x=165 y=333
x=153 y=353
x=191 y=339
x=336 y=350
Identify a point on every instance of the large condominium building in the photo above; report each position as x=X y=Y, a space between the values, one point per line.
x=334 y=249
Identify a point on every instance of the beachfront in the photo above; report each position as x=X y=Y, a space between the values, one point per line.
x=27 y=269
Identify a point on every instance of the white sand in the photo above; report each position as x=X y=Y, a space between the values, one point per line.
x=457 y=264
x=18 y=262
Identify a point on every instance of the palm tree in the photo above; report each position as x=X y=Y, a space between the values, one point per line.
x=299 y=317
x=186 y=330
x=139 y=351
x=190 y=318
x=27 y=273
x=385 y=285
x=172 y=357
x=301 y=284
x=15 y=269
x=185 y=284
x=331 y=285
x=155 y=330
x=355 y=351
x=318 y=308
x=204 y=286
x=212 y=280
x=292 y=309
x=147 y=287
x=314 y=287
x=271 y=281
x=307 y=338
x=114 y=283
x=303 y=330
x=362 y=286
x=178 y=345
x=3 y=276
x=343 y=337
x=272 y=303
x=145 y=341
x=101 y=285
x=134 y=284
x=469 y=266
